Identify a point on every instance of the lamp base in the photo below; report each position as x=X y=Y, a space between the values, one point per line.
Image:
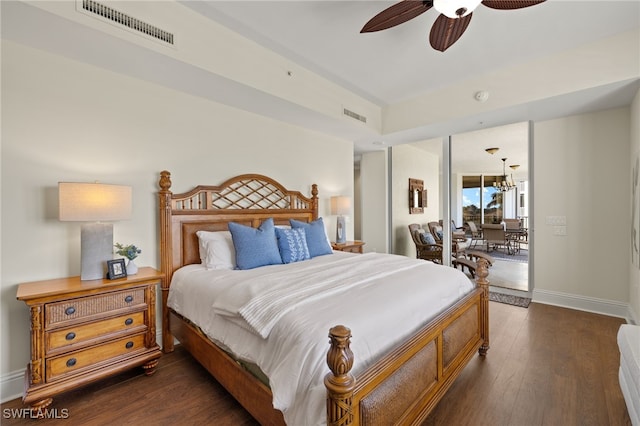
x=96 y=247
x=341 y=230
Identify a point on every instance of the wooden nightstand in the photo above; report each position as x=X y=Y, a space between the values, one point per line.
x=350 y=246
x=82 y=331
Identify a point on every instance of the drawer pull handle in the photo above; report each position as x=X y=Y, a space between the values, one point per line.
x=128 y=299
x=129 y=345
x=71 y=362
x=128 y=321
x=70 y=336
x=70 y=310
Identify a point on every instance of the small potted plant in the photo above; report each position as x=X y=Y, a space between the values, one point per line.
x=130 y=252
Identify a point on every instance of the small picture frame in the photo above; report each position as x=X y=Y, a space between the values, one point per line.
x=116 y=269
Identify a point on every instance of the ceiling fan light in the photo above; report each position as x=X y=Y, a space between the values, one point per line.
x=455 y=8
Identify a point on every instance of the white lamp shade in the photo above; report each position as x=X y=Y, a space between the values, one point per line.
x=340 y=205
x=93 y=202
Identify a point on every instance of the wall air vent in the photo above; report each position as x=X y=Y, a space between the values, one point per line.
x=355 y=115
x=113 y=15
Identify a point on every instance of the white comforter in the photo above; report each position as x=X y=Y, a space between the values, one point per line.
x=279 y=316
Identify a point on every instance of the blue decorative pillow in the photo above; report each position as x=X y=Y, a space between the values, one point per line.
x=292 y=244
x=316 y=236
x=427 y=238
x=255 y=246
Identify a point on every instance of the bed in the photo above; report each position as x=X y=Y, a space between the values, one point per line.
x=395 y=379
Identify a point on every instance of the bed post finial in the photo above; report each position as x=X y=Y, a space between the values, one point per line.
x=340 y=382
x=165 y=180
x=314 y=200
x=482 y=272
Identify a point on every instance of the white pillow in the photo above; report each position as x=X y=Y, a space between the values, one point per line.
x=216 y=249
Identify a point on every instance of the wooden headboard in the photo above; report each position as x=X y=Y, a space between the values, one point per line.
x=247 y=199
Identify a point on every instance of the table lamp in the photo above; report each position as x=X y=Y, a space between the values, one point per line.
x=94 y=203
x=340 y=206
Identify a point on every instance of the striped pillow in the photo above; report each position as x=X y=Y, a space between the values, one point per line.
x=292 y=244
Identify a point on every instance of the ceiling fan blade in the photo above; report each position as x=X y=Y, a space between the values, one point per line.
x=510 y=4
x=396 y=15
x=446 y=31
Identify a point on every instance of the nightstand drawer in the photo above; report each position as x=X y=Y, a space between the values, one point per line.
x=349 y=246
x=78 y=361
x=85 y=308
x=92 y=332
x=353 y=249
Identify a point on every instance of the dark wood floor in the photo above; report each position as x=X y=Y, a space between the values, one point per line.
x=546 y=366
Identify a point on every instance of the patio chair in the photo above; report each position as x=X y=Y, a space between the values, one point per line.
x=459 y=242
x=424 y=248
x=429 y=251
x=457 y=232
x=496 y=237
x=516 y=233
x=476 y=234
x=511 y=224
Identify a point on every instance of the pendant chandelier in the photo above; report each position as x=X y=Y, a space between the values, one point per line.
x=505 y=183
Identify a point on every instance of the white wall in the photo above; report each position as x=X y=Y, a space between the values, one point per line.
x=67 y=121
x=223 y=54
x=408 y=162
x=634 y=270
x=581 y=172
x=576 y=160
x=373 y=199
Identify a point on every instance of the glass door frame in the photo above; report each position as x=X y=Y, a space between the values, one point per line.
x=446 y=191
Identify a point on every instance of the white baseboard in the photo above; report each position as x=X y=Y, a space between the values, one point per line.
x=12 y=384
x=583 y=303
x=632 y=318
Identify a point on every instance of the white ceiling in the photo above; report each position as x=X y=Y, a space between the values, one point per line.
x=384 y=67
x=392 y=65
x=397 y=64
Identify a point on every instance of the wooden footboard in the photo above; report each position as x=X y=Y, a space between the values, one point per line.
x=406 y=384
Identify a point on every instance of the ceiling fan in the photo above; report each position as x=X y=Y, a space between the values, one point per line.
x=455 y=16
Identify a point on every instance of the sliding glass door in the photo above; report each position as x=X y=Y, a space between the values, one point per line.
x=489 y=172
x=480 y=177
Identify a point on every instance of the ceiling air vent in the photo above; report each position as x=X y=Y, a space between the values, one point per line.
x=355 y=115
x=113 y=15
